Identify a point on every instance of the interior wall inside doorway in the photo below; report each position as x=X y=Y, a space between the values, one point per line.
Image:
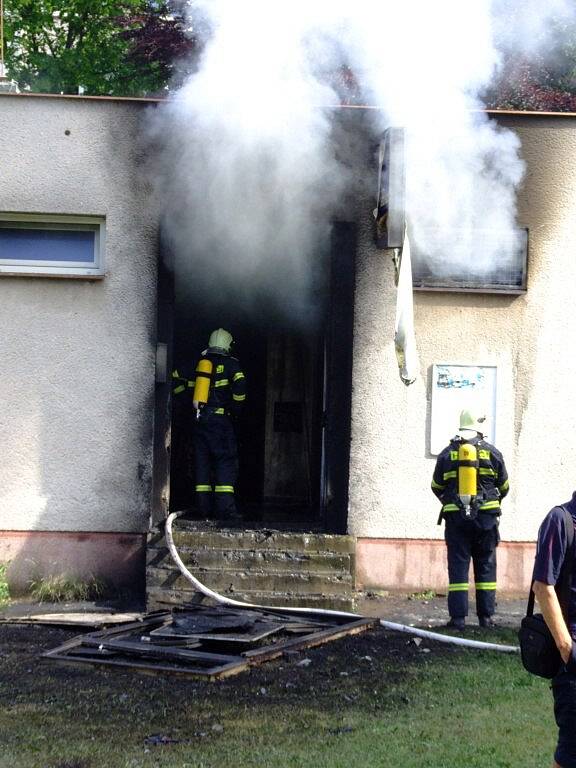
x=279 y=429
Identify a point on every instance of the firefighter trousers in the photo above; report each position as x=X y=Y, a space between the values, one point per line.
x=216 y=463
x=467 y=540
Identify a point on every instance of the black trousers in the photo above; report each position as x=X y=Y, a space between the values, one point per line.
x=216 y=461
x=476 y=540
x=564 y=690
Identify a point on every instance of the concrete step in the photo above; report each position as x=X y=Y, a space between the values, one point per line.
x=159 y=598
x=259 y=581
x=187 y=535
x=268 y=567
x=254 y=559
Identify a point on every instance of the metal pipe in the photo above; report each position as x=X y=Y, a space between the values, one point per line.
x=462 y=641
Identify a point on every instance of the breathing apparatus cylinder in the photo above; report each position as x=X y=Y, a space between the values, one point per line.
x=202 y=383
x=467 y=475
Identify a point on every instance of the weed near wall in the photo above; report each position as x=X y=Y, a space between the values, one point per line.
x=4 y=590
x=64 y=588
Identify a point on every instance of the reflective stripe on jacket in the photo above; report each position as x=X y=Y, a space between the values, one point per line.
x=493 y=482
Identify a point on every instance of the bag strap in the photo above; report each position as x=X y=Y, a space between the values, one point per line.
x=564 y=582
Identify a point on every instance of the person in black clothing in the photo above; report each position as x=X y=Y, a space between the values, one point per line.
x=214 y=438
x=471 y=518
x=551 y=551
x=215 y=447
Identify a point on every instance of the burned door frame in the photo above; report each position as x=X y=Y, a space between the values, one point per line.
x=337 y=383
x=163 y=390
x=338 y=355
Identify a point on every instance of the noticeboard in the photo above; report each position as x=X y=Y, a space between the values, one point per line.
x=456 y=388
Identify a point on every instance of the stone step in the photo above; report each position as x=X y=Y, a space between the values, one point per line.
x=259 y=581
x=254 y=560
x=266 y=567
x=159 y=598
x=185 y=534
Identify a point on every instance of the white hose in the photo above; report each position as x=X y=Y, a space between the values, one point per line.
x=324 y=612
x=227 y=600
x=449 y=638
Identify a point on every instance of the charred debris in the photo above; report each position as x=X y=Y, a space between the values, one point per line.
x=205 y=642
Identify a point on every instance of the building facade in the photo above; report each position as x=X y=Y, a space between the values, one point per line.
x=85 y=423
x=78 y=353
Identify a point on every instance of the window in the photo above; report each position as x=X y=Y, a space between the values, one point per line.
x=481 y=261
x=62 y=246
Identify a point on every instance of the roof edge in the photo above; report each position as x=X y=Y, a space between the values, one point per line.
x=83 y=97
x=161 y=100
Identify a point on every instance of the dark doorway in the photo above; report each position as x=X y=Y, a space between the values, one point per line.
x=294 y=432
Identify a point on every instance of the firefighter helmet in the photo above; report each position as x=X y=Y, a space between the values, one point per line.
x=220 y=339
x=469 y=420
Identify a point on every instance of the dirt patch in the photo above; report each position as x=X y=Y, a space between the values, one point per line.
x=23 y=671
x=348 y=664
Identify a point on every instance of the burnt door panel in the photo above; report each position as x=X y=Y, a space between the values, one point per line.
x=290 y=477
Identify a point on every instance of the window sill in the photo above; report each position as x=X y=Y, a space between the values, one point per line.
x=6 y=272
x=475 y=289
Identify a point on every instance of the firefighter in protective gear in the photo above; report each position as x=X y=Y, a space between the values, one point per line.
x=218 y=395
x=470 y=479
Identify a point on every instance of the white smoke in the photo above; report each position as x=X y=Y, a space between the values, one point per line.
x=249 y=170
x=249 y=176
x=532 y=27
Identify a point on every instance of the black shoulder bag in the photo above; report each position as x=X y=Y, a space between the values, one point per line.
x=537 y=647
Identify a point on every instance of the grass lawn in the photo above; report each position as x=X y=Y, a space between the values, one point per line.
x=376 y=699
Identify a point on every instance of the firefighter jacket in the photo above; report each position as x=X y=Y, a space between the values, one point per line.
x=227 y=386
x=492 y=477
x=179 y=383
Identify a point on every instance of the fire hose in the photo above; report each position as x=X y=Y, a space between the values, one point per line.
x=393 y=626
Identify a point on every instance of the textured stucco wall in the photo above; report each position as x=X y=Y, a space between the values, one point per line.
x=77 y=357
x=530 y=339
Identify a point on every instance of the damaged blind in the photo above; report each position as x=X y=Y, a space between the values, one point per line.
x=482 y=261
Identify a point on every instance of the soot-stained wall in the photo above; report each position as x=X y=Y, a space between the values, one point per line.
x=77 y=381
x=528 y=337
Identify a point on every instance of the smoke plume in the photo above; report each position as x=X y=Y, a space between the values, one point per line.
x=250 y=171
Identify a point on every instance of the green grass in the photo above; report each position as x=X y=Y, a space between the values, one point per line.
x=63 y=588
x=437 y=710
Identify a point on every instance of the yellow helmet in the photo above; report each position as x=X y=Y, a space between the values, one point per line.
x=469 y=420
x=220 y=339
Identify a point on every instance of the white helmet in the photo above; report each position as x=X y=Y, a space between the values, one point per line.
x=469 y=420
x=220 y=339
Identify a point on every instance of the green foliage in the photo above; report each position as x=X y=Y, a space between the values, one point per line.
x=109 y=47
x=4 y=591
x=62 y=588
